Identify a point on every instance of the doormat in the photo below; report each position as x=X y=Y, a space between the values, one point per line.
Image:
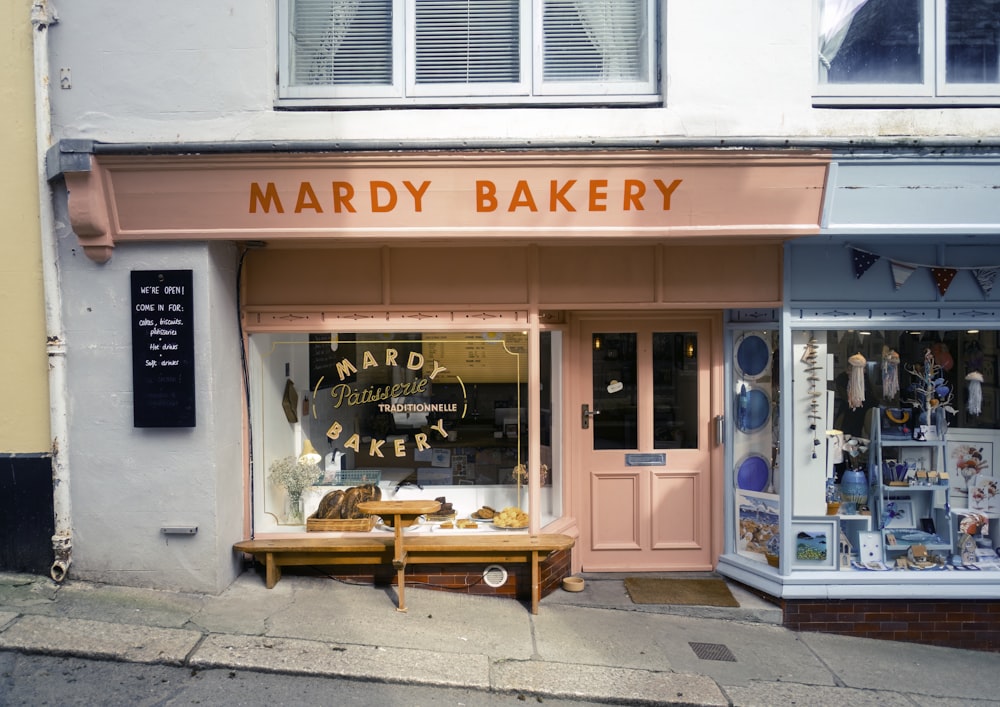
x=690 y=592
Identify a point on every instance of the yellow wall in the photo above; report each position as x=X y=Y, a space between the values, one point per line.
x=24 y=398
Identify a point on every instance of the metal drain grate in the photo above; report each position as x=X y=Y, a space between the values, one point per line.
x=712 y=651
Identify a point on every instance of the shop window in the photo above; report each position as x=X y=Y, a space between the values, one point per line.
x=910 y=51
x=895 y=437
x=754 y=405
x=446 y=51
x=418 y=414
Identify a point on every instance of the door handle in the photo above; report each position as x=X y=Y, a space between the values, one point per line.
x=585 y=414
x=720 y=430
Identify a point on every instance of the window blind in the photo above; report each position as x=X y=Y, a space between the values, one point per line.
x=342 y=42
x=476 y=41
x=594 y=40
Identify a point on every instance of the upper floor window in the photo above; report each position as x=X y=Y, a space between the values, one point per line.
x=396 y=52
x=910 y=51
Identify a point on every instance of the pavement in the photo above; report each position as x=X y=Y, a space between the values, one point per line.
x=593 y=646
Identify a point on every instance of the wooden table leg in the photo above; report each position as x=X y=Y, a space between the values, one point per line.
x=400 y=563
x=535 y=582
x=272 y=572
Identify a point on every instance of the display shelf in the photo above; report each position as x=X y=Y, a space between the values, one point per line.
x=905 y=510
x=854 y=524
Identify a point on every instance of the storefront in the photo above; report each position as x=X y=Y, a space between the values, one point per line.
x=542 y=331
x=882 y=507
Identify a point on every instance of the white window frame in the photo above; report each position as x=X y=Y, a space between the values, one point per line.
x=967 y=91
x=447 y=90
x=310 y=94
x=531 y=90
x=933 y=90
x=623 y=89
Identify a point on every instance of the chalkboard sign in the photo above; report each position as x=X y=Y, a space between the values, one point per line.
x=163 y=348
x=323 y=358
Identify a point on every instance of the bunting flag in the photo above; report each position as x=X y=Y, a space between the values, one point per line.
x=985 y=275
x=901 y=272
x=943 y=278
x=985 y=278
x=862 y=260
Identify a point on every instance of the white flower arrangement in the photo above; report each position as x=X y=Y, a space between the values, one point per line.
x=294 y=475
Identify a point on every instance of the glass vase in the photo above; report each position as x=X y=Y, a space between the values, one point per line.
x=853 y=491
x=293 y=510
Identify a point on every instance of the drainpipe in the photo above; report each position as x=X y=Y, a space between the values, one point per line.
x=42 y=16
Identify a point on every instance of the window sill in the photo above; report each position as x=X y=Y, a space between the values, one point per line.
x=603 y=101
x=882 y=102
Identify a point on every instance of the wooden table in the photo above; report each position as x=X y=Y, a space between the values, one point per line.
x=403 y=514
x=308 y=549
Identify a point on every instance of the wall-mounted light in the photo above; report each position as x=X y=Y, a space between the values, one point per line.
x=689 y=347
x=309 y=454
x=597 y=342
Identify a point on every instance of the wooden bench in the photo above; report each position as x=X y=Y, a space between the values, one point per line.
x=438 y=548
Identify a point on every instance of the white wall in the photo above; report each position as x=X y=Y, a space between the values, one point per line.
x=204 y=70
x=127 y=483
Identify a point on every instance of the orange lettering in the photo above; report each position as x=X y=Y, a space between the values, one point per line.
x=343 y=192
x=377 y=206
x=634 y=191
x=307 y=199
x=486 y=193
x=522 y=197
x=418 y=194
x=667 y=191
x=559 y=195
x=598 y=195
x=266 y=198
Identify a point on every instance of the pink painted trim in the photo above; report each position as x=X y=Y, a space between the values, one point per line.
x=477 y=197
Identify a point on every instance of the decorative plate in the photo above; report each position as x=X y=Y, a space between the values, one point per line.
x=753 y=410
x=753 y=356
x=753 y=472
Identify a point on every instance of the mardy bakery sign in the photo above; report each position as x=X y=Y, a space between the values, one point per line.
x=387 y=399
x=250 y=197
x=486 y=196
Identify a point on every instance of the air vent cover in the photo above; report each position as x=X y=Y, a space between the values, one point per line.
x=495 y=576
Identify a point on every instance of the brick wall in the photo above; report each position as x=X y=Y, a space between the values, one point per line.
x=972 y=625
x=457 y=577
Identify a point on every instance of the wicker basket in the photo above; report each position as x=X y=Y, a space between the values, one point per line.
x=358 y=525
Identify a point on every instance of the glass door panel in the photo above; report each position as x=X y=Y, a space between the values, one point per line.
x=615 y=391
x=675 y=390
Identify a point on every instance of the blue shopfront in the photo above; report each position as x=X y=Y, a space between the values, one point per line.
x=865 y=414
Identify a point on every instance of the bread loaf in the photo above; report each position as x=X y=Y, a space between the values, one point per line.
x=330 y=505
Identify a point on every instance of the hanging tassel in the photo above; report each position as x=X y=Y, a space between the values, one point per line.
x=975 y=404
x=890 y=373
x=856 y=381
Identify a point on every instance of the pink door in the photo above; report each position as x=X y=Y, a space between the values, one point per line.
x=645 y=443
